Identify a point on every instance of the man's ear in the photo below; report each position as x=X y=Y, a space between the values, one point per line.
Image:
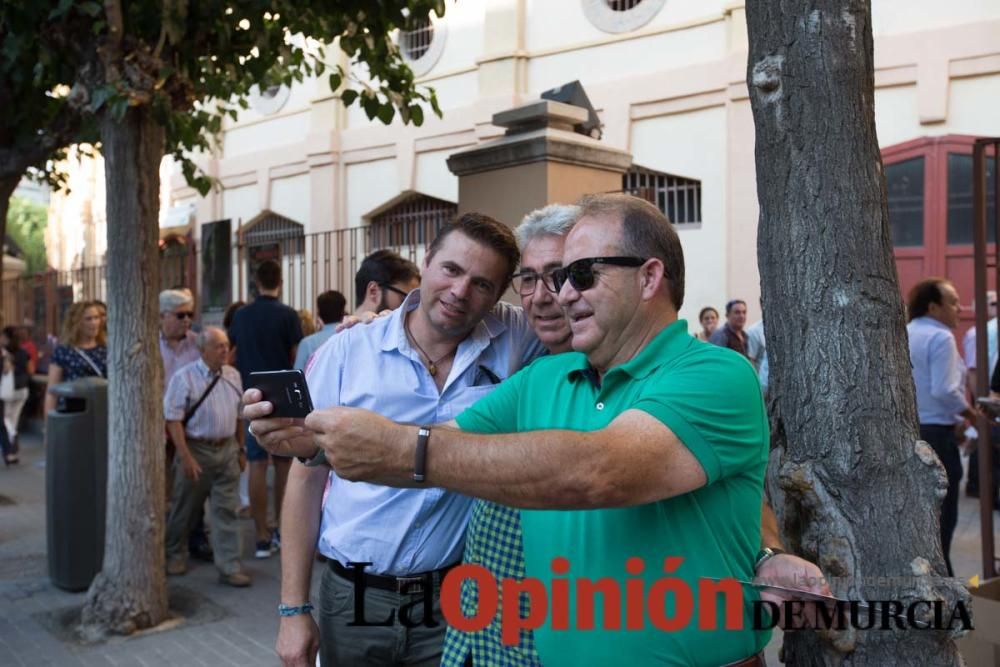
x=373 y=293
x=653 y=278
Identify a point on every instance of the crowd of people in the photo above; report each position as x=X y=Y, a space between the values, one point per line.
x=451 y=427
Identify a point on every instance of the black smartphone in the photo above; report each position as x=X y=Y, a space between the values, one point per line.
x=285 y=390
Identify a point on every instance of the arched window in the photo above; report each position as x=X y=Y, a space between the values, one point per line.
x=618 y=16
x=677 y=197
x=413 y=221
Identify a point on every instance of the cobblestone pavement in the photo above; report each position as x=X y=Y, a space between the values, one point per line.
x=227 y=627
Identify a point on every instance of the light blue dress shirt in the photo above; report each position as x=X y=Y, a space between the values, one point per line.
x=311 y=343
x=938 y=372
x=406 y=531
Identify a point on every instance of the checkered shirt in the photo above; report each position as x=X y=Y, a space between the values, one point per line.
x=492 y=540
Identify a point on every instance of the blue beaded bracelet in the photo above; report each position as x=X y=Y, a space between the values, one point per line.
x=287 y=610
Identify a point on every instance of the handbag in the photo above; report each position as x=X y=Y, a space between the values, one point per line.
x=7 y=390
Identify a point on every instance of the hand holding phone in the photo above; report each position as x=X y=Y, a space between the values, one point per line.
x=285 y=390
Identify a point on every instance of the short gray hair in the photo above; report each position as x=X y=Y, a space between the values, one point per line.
x=205 y=335
x=171 y=298
x=551 y=220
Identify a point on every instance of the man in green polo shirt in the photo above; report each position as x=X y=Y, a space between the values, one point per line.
x=644 y=445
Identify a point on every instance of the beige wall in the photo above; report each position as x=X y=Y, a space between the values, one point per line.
x=672 y=92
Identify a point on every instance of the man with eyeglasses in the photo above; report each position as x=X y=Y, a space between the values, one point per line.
x=644 y=443
x=177 y=341
x=382 y=282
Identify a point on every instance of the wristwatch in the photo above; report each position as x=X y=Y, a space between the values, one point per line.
x=764 y=555
x=318 y=459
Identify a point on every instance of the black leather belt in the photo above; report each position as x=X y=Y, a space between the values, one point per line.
x=410 y=584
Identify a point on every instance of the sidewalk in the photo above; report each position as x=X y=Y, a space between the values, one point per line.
x=229 y=626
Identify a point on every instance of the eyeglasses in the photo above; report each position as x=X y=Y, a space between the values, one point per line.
x=525 y=282
x=398 y=291
x=580 y=273
x=185 y=315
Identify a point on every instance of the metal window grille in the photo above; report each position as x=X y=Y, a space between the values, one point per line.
x=414 y=221
x=622 y=5
x=416 y=42
x=677 y=197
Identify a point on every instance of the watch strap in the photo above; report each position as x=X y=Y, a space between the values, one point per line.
x=420 y=456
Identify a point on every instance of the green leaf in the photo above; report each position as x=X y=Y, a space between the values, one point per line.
x=416 y=114
x=335 y=80
x=100 y=96
x=90 y=8
x=386 y=113
x=60 y=9
x=118 y=108
x=348 y=97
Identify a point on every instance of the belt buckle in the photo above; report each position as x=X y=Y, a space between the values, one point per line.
x=415 y=584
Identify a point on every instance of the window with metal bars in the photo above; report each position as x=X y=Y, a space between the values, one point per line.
x=622 y=5
x=413 y=221
x=677 y=197
x=415 y=43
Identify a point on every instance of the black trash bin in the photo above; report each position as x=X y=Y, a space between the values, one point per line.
x=76 y=476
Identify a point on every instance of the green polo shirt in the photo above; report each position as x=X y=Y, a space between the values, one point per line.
x=709 y=397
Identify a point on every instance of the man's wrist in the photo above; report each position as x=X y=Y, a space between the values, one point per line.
x=286 y=610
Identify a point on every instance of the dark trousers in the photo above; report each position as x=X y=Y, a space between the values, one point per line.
x=942 y=439
x=395 y=645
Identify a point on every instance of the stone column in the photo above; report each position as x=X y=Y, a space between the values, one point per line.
x=540 y=160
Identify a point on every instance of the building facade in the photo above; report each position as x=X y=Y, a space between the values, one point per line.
x=667 y=79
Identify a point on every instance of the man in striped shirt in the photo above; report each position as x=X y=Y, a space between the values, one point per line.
x=202 y=408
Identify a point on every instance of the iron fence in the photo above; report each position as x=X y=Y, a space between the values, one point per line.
x=311 y=264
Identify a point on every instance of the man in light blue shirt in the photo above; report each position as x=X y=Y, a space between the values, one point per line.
x=449 y=344
x=330 y=308
x=939 y=379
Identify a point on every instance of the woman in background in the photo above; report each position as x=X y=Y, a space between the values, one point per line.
x=82 y=351
x=709 y=319
x=308 y=323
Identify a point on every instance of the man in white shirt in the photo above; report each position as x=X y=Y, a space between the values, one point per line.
x=939 y=379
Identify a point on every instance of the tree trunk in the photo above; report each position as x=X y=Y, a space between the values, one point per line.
x=7 y=186
x=130 y=592
x=856 y=490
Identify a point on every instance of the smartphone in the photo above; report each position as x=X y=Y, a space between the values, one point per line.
x=285 y=390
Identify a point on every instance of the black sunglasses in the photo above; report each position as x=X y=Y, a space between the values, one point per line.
x=186 y=315
x=580 y=273
x=395 y=289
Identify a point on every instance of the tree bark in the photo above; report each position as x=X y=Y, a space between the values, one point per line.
x=856 y=490
x=130 y=592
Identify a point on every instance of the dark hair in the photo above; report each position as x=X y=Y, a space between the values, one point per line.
x=646 y=232
x=227 y=318
x=704 y=310
x=383 y=267
x=730 y=304
x=13 y=339
x=922 y=295
x=486 y=231
x=269 y=274
x=330 y=306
